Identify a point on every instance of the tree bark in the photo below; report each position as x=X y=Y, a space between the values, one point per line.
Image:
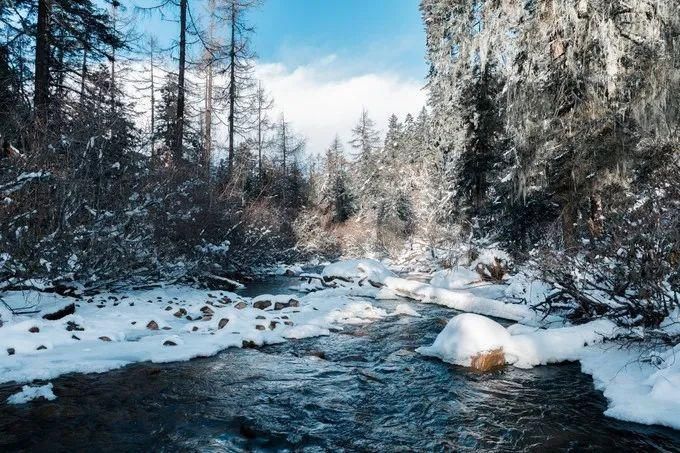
x=179 y=145
x=232 y=86
x=42 y=63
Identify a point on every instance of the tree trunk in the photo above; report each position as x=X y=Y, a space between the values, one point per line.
x=259 y=129
x=153 y=110
x=232 y=87
x=42 y=63
x=569 y=214
x=595 y=222
x=179 y=138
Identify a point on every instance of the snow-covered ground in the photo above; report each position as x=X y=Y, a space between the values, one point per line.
x=162 y=325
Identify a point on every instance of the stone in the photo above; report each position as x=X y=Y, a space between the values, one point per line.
x=34 y=329
x=168 y=308
x=262 y=304
x=67 y=310
x=10 y=351
x=260 y=327
x=71 y=326
x=260 y=317
x=223 y=322
x=207 y=310
x=488 y=361
x=241 y=305
x=319 y=354
x=75 y=337
x=169 y=343
x=194 y=329
x=133 y=322
x=288 y=323
x=248 y=344
x=166 y=328
x=105 y=338
x=290 y=303
x=273 y=324
x=41 y=347
x=153 y=325
x=179 y=313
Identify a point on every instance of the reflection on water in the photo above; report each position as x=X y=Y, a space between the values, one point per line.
x=361 y=389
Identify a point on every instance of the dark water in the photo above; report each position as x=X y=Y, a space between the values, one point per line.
x=369 y=392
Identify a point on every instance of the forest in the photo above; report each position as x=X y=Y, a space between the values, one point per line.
x=547 y=156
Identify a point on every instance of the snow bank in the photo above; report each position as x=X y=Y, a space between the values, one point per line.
x=636 y=391
x=358 y=269
x=30 y=393
x=462 y=301
x=168 y=324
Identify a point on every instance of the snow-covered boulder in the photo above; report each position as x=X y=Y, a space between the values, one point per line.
x=354 y=270
x=467 y=338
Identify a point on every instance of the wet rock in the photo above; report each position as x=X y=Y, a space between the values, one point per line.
x=41 y=347
x=179 y=313
x=34 y=329
x=260 y=317
x=273 y=324
x=169 y=343
x=241 y=305
x=153 y=325
x=290 y=303
x=105 y=338
x=260 y=327
x=67 y=310
x=207 y=310
x=207 y=318
x=133 y=322
x=289 y=273
x=488 y=361
x=189 y=318
x=248 y=344
x=194 y=329
x=132 y=304
x=168 y=308
x=223 y=322
x=10 y=351
x=166 y=328
x=288 y=323
x=73 y=326
x=262 y=304
x=319 y=354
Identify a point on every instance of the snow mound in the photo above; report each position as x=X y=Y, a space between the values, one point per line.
x=30 y=393
x=465 y=336
x=358 y=269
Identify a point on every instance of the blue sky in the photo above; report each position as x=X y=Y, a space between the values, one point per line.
x=325 y=60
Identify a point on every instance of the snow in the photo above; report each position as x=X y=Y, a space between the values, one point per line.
x=406 y=310
x=111 y=330
x=465 y=336
x=463 y=301
x=469 y=334
x=358 y=269
x=457 y=278
x=30 y=393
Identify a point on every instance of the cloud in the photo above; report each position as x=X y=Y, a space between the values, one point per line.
x=320 y=100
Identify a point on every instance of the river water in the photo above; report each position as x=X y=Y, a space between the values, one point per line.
x=363 y=389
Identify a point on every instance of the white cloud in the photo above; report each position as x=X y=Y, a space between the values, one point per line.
x=320 y=101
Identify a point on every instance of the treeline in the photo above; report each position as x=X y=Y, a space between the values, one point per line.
x=92 y=193
x=557 y=123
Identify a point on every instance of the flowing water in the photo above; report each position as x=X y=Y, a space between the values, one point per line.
x=362 y=389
